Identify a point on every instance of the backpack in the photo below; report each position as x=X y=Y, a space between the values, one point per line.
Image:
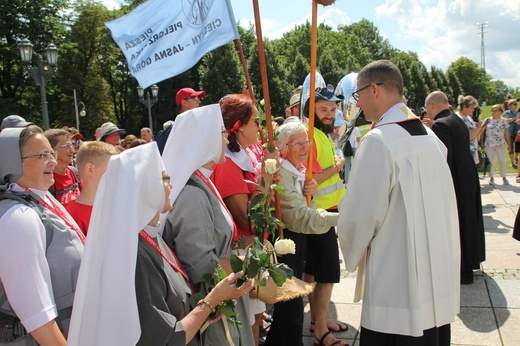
x=10 y=326
x=347 y=147
x=77 y=182
x=483 y=135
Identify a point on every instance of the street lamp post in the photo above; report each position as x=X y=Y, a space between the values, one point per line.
x=40 y=73
x=148 y=101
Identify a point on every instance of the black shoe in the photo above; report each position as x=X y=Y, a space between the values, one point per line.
x=466 y=277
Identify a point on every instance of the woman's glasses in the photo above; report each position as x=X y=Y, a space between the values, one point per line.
x=300 y=144
x=68 y=146
x=46 y=156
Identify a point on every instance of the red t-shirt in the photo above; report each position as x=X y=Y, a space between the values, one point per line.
x=81 y=214
x=230 y=180
x=61 y=182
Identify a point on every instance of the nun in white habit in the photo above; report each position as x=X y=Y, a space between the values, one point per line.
x=131 y=287
x=199 y=227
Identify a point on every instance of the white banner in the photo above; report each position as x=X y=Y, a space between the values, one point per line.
x=163 y=38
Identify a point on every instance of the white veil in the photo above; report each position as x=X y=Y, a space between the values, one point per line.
x=128 y=196
x=195 y=139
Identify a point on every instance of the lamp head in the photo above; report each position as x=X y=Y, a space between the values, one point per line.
x=52 y=55
x=155 y=91
x=26 y=51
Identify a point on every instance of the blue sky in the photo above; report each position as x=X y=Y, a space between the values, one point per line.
x=440 y=31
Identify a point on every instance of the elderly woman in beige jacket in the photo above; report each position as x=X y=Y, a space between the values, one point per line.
x=299 y=220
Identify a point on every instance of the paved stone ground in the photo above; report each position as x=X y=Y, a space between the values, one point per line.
x=490 y=307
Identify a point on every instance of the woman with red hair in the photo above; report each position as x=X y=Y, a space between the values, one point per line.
x=236 y=179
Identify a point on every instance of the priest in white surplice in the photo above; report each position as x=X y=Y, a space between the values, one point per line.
x=398 y=221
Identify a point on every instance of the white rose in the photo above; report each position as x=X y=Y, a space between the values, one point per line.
x=262 y=102
x=270 y=166
x=265 y=275
x=284 y=247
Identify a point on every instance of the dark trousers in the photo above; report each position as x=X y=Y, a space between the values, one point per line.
x=287 y=325
x=437 y=336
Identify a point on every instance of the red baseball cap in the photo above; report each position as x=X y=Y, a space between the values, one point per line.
x=78 y=136
x=188 y=92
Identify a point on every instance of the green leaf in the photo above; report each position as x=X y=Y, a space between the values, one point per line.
x=252 y=268
x=282 y=267
x=254 y=202
x=278 y=277
x=241 y=281
x=236 y=263
x=198 y=296
x=279 y=189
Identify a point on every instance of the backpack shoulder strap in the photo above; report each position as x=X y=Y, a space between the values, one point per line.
x=9 y=199
x=68 y=188
x=76 y=173
x=29 y=200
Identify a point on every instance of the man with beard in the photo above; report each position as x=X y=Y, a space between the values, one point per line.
x=322 y=265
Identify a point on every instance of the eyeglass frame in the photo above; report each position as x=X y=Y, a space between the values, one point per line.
x=300 y=144
x=355 y=94
x=65 y=146
x=45 y=156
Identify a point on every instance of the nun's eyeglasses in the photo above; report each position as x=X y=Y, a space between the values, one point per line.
x=46 y=156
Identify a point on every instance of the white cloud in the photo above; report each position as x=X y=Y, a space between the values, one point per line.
x=274 y=30
x=111 y=4
x=445 y=30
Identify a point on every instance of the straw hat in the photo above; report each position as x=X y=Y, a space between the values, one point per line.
x=291 y=288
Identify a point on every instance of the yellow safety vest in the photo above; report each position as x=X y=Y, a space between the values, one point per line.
x=331 y=190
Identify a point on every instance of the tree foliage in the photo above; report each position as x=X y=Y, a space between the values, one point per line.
x=469 y=75
x=42 y=22
x=91 y=64
x=220 y=73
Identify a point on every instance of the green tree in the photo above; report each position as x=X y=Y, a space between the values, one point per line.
x=222 y=65
x=456 y=87
x=300 y=70
x=82 y=69
x=329 y=68
x=277 y=75
x=371 y=39
x=470 y=77
x=497 y=91
x=41 y=23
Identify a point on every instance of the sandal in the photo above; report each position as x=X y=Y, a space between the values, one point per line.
x=518 y=179
x=322 y=340
x=338 y=323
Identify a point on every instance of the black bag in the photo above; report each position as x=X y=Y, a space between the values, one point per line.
x=481 y=159
x=347 y=149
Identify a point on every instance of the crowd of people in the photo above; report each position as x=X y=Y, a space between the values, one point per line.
x=107 y=242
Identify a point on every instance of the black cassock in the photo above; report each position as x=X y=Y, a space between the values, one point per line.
x=516 y=229
x=454 y=133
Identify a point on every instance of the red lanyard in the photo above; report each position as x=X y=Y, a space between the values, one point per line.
x=177 y=266
x=56 y=211
x=217 y=195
